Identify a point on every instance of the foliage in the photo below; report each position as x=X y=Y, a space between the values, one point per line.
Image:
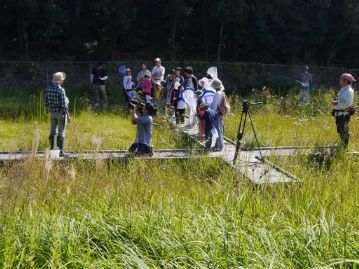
x=315 y=32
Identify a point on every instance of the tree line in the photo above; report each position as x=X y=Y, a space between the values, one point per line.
x=320 y=32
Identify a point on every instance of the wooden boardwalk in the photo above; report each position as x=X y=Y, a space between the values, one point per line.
x=100 y=155
x=254 y=164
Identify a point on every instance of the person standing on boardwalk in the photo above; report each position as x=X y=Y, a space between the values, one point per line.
x=57 y=104
x=218 y=115
x=99 y=81
x=344 y=107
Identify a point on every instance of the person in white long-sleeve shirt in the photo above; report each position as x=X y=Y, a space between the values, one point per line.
x=158 y=71
x=218 y=118
x=343 y=105
x=128 y=85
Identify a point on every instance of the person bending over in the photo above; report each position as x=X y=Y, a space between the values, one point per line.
x=141 y=115
x=344 y=107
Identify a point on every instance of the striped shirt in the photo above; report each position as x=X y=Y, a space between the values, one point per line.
x=55 y=98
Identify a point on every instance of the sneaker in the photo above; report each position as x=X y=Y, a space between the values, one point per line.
x=62 y=154
x=216 y=149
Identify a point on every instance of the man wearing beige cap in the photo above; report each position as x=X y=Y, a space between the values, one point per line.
x=158 y=71
x=57 y=104
x=344 y=107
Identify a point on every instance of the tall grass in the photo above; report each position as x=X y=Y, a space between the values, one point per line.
x=173 y=214
x=195 y=213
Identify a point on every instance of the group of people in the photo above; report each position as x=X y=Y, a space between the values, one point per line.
x=180 y=91
x=204 y=100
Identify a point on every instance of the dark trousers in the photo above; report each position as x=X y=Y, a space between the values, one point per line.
x=141 y=149
x=180 y=115
x=342 y=123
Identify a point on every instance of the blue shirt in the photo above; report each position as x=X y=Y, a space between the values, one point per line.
x=55 y=98
x=144 y=129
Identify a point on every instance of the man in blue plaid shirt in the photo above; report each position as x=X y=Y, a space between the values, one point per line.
x=57 y=104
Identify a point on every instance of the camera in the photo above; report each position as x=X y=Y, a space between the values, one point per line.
x=247 y=103
x=137 y=104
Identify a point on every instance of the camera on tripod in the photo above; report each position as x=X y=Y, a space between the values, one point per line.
x=247 y=103
x=242 y=124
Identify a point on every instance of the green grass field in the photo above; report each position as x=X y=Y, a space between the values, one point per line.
x=196 y=213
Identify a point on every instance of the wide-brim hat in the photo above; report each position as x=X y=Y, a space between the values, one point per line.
x=217 y=85
x=348 y=77
x=157 y=82
x=58 y=77
x=203 y=105
x=198 y=92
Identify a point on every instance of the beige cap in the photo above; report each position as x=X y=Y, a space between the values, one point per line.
x=58 y=77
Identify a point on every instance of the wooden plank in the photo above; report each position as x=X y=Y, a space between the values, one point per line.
x=102 y=155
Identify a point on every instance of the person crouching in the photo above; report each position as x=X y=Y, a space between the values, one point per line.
x=344 y=107
x=141 y=115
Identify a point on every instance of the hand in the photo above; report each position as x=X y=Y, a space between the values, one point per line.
x=68 y=117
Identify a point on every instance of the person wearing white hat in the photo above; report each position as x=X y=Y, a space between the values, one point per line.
x=215 y=106
x=57 y=104
x=344 y=107
x=128 y=85
x=158 y=71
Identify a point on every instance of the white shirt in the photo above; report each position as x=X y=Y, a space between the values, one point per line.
x=142 y=74
x=345 y=99
x=217 y=100
x=158 y=73
x=127 y=82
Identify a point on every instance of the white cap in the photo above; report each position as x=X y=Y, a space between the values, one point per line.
x=157 y=60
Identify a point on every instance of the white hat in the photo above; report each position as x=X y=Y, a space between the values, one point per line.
x=58 y=77
x=204 y=80
x=348 y=77
x=157 y=82
x=217 y=85
x=157 y=60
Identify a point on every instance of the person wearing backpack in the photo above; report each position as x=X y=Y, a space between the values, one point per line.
x=220 y=107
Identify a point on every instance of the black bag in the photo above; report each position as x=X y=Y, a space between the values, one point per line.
x=351 y=111
x=140 y=149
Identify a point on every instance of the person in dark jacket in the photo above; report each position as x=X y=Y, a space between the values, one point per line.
x=99 y=78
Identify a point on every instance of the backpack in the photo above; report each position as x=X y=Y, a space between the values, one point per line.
x=224 y=106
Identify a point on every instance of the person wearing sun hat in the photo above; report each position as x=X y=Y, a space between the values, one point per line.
x=215 y=106
x=57 y=103
x=344 y=107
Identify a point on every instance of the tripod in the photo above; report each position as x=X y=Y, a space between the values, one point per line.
x=242 y=126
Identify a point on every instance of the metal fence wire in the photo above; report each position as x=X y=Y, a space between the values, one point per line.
x=238 y=78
